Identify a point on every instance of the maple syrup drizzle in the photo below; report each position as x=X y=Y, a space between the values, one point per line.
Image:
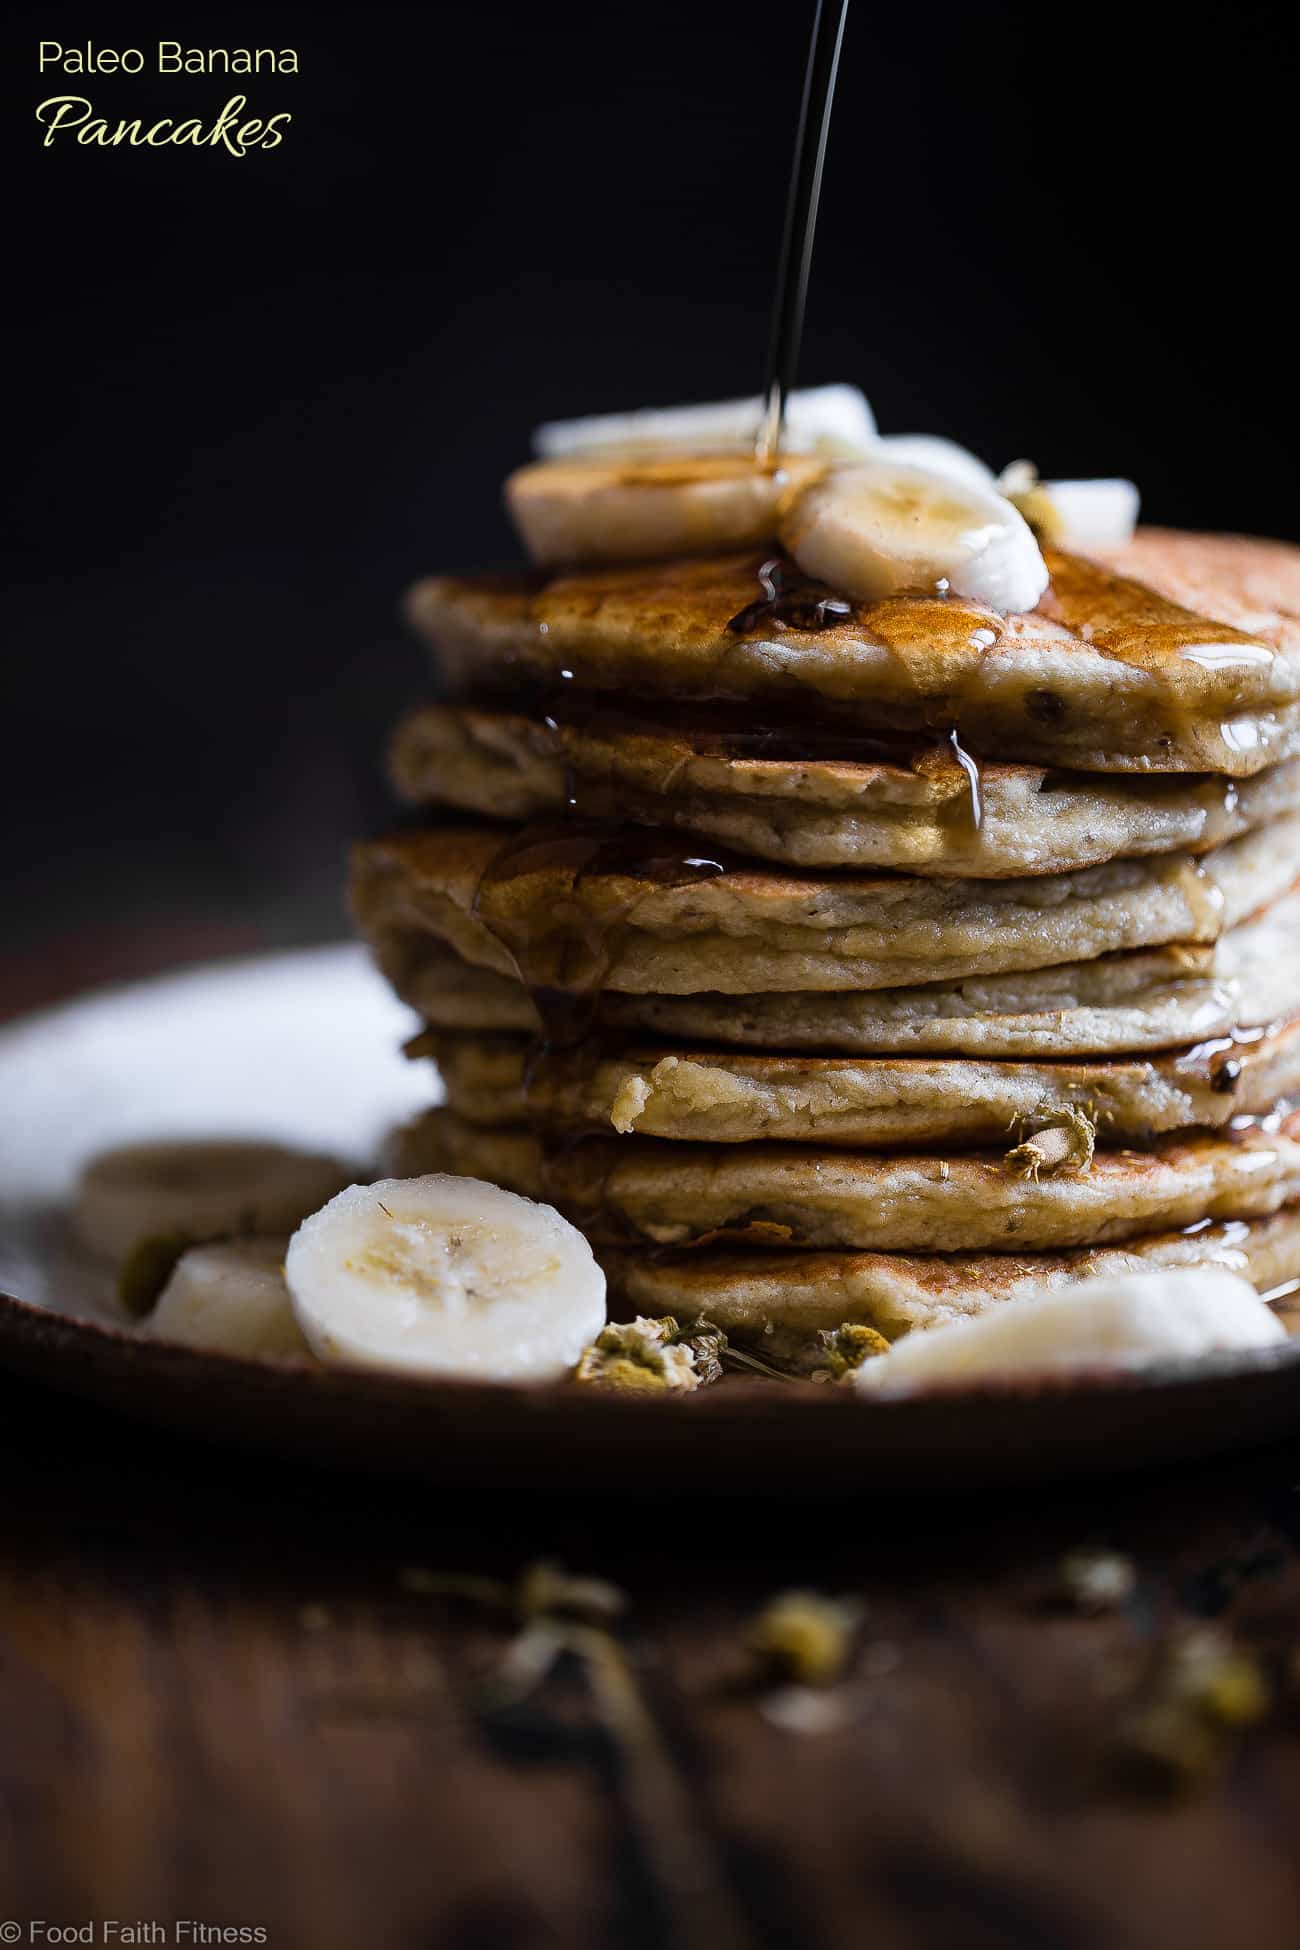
x=973 y=781
x=716 y=728
x=1235 y=1231
x=1216 y=1062
x=1266 y=1123
x=801 y=218
x=790 y=600
x=1205 y=901
x=579 y=945
x=565 y=962
x=729 y=731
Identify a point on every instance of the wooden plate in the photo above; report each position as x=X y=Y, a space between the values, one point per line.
x=304 y=1048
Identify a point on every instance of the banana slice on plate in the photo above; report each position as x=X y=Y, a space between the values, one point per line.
x=884 y=527
x=600 y=509
x=199 y=1188
x=831 y=420
x=1120 y=1323
x=445 y=1276
x=229 y=1298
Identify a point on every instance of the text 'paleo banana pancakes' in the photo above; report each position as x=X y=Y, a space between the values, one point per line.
x=856 y=951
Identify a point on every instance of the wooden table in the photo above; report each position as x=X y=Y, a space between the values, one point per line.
x=223 y=1701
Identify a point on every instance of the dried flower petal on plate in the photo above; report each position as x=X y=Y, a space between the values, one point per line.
x=837 y=1351
x=803 y=1637
x=1206 y=1689
x=645 y=1356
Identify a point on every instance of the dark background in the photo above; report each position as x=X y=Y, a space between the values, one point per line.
x=254 y=398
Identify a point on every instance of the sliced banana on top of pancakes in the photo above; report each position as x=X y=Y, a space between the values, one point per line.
x=885 y=528
x=603 y=508
x=828 y=420
x=872 y=516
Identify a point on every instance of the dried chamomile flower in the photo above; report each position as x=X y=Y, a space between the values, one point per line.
x=641 y=1355
x=1061 y=1138
x=789 y=1354
x=1221 y=1681
x=645 y=1356
x=837 y=1351
x=803 y=1637
x=707 y=1343
x=1207 y=1689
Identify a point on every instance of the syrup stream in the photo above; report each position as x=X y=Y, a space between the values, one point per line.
x=801 y=219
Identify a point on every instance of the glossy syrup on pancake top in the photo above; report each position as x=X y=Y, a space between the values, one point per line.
x=1191 y=694
x=787 y=600
x=792 y=599
x=1135 y=625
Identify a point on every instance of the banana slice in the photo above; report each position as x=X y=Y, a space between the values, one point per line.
x=937 y=456
x=229 y=1298
x=603 y=510
x=1121 y=1323
x=883 y=528
x=1091 y=514
x=1072 y=514
x=200 y=1188
x=445 y=1276
x=818 y=420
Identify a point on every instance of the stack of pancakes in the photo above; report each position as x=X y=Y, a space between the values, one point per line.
x=862 y=962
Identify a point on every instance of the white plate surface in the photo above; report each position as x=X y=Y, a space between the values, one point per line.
x=301 y=1048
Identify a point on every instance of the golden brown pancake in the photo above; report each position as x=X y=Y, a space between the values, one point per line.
x=717 y=1096
x=805 y=799
x=1152 y=999
x=638 y=913
x=1174 y=653
x=747 y=1292
x=670 y=1194
x=801 y=1006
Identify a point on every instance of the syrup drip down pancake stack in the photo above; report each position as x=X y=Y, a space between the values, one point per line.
x=853 y=889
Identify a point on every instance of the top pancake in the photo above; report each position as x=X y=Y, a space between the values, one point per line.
x=1174 y=653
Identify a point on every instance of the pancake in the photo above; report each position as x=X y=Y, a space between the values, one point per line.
x=1149 y=1000
x=586 y=908
x=745 y=1292
x=720 y=1097
x=789 y=1196
x=808 y=799
x=1173 y=653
